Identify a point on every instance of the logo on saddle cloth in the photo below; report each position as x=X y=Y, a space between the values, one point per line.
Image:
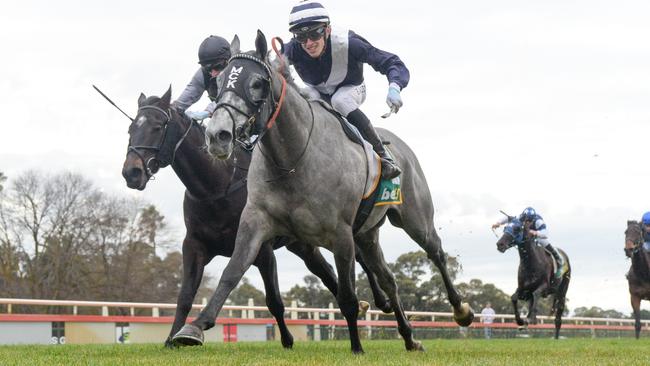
x=390 y=192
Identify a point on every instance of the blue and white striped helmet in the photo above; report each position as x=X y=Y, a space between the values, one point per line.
x=307 y=12
x=528 y=214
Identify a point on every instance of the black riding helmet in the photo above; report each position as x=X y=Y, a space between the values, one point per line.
x=214 y=49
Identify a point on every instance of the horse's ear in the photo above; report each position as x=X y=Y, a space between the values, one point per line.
x=165 y=100
x=631 y=222
x=141 y=99
x=260 y=45
x=234 y=46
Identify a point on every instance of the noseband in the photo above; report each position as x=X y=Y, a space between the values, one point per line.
x=154 y=163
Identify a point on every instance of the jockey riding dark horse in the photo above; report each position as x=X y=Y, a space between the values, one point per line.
x=538 y=231
x=637 y=247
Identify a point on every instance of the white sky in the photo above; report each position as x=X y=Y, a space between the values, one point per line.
x=510 y=104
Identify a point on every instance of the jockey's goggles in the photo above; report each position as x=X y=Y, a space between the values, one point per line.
x=218 y=66
x=312 y=34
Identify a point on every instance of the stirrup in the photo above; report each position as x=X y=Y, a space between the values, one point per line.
x=389 y=169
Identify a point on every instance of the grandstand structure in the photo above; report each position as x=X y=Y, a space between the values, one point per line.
x=29 y=321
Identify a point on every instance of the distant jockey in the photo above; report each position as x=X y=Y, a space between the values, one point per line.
x=539 y=232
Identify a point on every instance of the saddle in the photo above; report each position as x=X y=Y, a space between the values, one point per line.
x=565 y=267
x=376 y=191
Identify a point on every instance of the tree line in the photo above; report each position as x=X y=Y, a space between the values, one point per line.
x=61 y=237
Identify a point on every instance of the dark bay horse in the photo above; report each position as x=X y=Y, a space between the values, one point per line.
x=306 y=181
x=536 y=276
x=638 y=277
x=214 y=198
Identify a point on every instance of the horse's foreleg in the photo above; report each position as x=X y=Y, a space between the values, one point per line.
x=347 y=298
x=515 y=300
x=193 y=265
x=532 y=306
x=268 y=269
x=381 y=299
x=636 y=308
x=374 y=257
x=252 y=232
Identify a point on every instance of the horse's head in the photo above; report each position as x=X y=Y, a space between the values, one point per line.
x=245 y=101
x=150 y=147
x=513 y=234
x=633 y=237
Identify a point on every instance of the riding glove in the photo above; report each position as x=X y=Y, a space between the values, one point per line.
x=199 y=116
x=394 y=100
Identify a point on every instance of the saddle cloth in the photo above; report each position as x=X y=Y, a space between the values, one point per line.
x=565 y=267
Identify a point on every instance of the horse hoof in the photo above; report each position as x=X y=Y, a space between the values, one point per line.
x=417 y=346
x=464 y=316
x=189 y=335
x=288 y=342
x=363 y=309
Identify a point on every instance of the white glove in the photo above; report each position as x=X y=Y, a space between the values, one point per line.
x=394 y=99
x=197 y=115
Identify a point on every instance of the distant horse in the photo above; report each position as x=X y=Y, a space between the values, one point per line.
x=214 y=198
x=536 y=276
x=638 y=277
x=306 y=181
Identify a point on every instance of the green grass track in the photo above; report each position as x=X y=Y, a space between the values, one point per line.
x=537 y=352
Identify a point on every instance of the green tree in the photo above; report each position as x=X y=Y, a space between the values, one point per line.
x=244 y=291
x=596 y=312
x=477 y=294
x=313 y=294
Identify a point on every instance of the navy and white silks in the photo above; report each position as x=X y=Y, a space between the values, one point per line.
x=338 y=73
x=538 y=225
x=195 y=89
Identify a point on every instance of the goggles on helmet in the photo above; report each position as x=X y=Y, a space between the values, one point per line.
x=313 y=34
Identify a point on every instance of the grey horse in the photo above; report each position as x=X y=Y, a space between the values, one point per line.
x=306 y=180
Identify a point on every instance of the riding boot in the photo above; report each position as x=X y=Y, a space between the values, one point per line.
x=558 y=259
x=389 y=168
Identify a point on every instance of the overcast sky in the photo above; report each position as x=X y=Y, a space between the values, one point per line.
x=510 y=104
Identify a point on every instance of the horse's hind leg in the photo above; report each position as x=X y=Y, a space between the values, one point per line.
x=636 y=308
x=267 y=266
x=374 y=258
x=193 y=266
x=426 y=236
x=381 y=300
x=316 y=264
x=559 y=303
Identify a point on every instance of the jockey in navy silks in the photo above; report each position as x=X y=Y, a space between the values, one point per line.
x=214 y=53
x=329 y=60
x=537 y=231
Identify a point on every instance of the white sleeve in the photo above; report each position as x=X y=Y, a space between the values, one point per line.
x=541 y=233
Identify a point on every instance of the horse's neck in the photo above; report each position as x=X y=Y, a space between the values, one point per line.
x=528 y=255
x=286 y=140
x=641 y=264
x=201 y=175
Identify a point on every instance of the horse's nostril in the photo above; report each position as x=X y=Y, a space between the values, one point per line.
x=134 y=173
x=224 y=136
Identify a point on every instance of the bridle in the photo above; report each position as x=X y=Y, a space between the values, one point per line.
x=240 y=133
x=154 y=163
x=637 y=243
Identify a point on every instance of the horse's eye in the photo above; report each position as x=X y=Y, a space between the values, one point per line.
x=257 y=84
